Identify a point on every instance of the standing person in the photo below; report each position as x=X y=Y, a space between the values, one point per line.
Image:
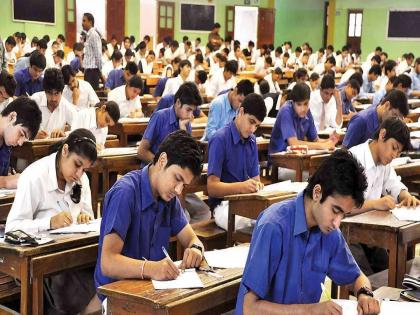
x=92 y=62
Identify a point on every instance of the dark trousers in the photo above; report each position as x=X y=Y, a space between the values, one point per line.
x=92 y=76
x=371 y=259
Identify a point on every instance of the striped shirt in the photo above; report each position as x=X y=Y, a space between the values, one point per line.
x=93 y=50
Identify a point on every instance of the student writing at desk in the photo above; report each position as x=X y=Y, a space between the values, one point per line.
x=297 y=243
x=347 y=93
x=142 y=211
x=29 y=80
x=385 y=188
x=54 y=192
x=233 y=159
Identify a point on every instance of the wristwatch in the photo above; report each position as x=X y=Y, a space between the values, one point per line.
x=365 y=290
x=198 y=247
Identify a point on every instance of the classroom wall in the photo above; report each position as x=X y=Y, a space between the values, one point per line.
x=374 y=26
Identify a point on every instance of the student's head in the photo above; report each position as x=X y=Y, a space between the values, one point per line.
x=394 y=104
x=88 y=21
x=60 y=39
x=41 y=46
x=54 y=46
x=286 y=57
x=69 y=76
x=300 y=96
x=46 y=37
x=34 y=41
x=37 y=63
x=389 y=68
x=301 y=75
x=402 y=83
x=58 y=56
x=7 y=85
x=375 y=60
x=392 y=137
x=320 y=52
x=107 y=115
x=276 y=74
x=116 y=58
x=151 y=56
x=200 y=77
x=53 y=84
x=199 y=59
x=329 y=50
x=20 y=121
x=390 y=84
x=126 y=42
x=10 y=43
x=130 y=70
x=358 y=77
x=174 y=46
x=237 y=50
x=133 y=87
x=231 y=68
x=264 y=86
x=187 y=98
x=335 y=189
x=329 y=63
x=305 y=58
x=374 y=72
x=278 y=52
x=327 y=88
x=298 y=51
x=352 y=89
x=225 y=51
x=237 y=95
x=378 y=50
x=268 y=61
x=250 y=115
x=128 y=55
x=288 y=45
x=197 y=41
x=176 y=163
x=315 y=81
x=384 y=57
x=345 y=51
x=417 y=66
x=185 y=68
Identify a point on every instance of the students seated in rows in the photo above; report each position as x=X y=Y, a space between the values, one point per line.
x=222 y=81
x=295 y=125
x=7 y=88
x=114 y=63
x=146 y=65
x=224 y=107
x=369 y=78
x=52 y=193
x=376 y=60
x=415 y=78
x=97 y=119
x=405 y=64
x=128 y=97
x=297 y=243
x=362 y=126
x=326 y=106
x=141 y=213
x=388 y=71
x=19 y=122
x=57 y=112
x=299 y=76
x=29 y=80
x=322 y=68
x=233 y=158
x=118 y=77
x=347 y=94
x=402 y=83
x=173 y=84
x=78 y=91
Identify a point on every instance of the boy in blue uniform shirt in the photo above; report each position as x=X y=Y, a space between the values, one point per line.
x=297 y=243
x=233 y=157
x=142 y=212
x=295 y=125
x=363 y=125
x=29 y=80
x=348 y=93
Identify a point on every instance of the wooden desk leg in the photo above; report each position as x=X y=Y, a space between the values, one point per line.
x=105 y=181
x=401 y=263
x=95 y=192
x=38 y=295
x=231 y=228
x=25 y=288
x=334 y=290
x=299 y=171
x=392 y=263
x=274 y=174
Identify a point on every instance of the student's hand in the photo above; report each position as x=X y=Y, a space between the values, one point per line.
x=326 y=308
x=330 y=144
x=409 y=201
x=334 y=137
x=100 y=147
x=83 y=218
x=61 y=220
x=368 y=305
x=251 y=186
x=337 y=96
x=42 y=134
x=192 y=258
x=57 y=133
x=385 y=203
x=183 y=124
x=76 y=93
x=163 y=270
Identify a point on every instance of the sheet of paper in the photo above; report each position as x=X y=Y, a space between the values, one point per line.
x=407 y=214
x=200 y=125
x=92 y=226
x=416 y=110
x=286 y=186
x=400 y=161
x=7 y=192
x=117 y=151
x=415 y=134
x=387 y=307
x=134 y=120
x=269 y=121
x=413 y=101
x=237 y=257
x=188 y=279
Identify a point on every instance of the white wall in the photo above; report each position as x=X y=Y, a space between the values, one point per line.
x=246 y=24
x=97 y=8
x=148 y=19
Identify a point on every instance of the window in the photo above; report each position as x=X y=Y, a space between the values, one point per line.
x=355 y=24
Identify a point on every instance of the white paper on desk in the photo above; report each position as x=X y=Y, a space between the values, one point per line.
x=188 y=279
x=285 y=186
x=232 y=257
x=387 y=307
x=413 y=125
x=407 y=214
x=117 y=151
x=416 y=110
x=269 y=121
x=134 y=120
x=92 y=226
x=6 y=192
x=400 y=161
x=415 y=134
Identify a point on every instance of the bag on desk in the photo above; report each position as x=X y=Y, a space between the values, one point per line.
x=413 y=288
x=19 y=237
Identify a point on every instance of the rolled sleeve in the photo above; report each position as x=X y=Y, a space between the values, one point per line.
x=392 y=183
x=214 y=118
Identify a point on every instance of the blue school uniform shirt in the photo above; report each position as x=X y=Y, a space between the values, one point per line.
x=5 y=152
x=144 y=223
x=221 y=113
x=367 y=86
x=169 y=100
x=415 y=81
x=160 y=87
x=25 y=85
x=288 y=124
x=75 y=64
x=231 y=158
x=361 y=127
x=287 y=261
x=378 y=96
x=347 y=104
x=115 y=79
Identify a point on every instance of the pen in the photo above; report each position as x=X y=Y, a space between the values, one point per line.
x=324 y=292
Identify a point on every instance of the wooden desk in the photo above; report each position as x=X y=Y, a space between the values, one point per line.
x=198 y=130
x=139 y=296
x=264 y=129
x=249 y=206
x=5 y=205
x=382 y=229
x=413 y=115
x=31 y=264
x=409 y=171
x=128 y=127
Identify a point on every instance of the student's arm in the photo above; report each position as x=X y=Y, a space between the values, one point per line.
x=366 y=303
x=192 y=256
x=407 y=199
x=213 y=120
x=318 y=144
x=219 y=189
x=9 y=182
x=86 y=213
x=144 y=152
x=339 y=104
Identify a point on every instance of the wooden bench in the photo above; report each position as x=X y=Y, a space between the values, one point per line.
x=9 y=290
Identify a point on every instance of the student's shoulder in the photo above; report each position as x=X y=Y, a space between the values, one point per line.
x=37 y=170
x=128 y=184
x=221 y=135
x=278 y=216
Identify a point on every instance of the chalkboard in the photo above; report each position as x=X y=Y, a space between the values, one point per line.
x=404 y=24
x=197 y=17
x=42 y=11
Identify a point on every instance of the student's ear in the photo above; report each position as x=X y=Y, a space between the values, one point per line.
x=317 y=193
x=387 y=105
x=65 y=150
x=162 y=161
x=12 y=117
x=382 y=134
x=103 y=108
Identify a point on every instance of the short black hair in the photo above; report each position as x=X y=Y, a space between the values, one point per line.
x=216 y=25
x=358 y=77
x=175 y=44
x=11 y=41
x=183 y=150
x=184 y=38
x=23 y=35
x=330 y=47
x=146 y=37
x=27 y=113
x=135 y=82
x=398 y=100
x=341 y=174
x=60 y=54
x=397 y=129
x=251 y=43
x=78 y=46
x=34 y=40
x=199 y=58
x=279 y=50
x=61 y=36
x=46 y=37
x=67 y=72
x=141 y=45
x=375 y=69
x=198 y=39
x=389 y=65
x=113 y=110
x=90 y=18
x=314 y=76
x=231 y=66
x=132 y=38
x=42 y=43
x=268 y=60
x=300 y=92
x=354 y=84
x=300 y=73
x=277 y=70
x=210 y=47
x=53 y=80
x=8 y=82
x=376 y=58
x=184 y=63
x=132 y=67
x=202 y=76
x=404 y=80
x=37 y=59
x=129 y=53
x=378 y=48
x=298 y=49
x=116 y=55
x=188 y=94
x=327 y=82
x=264 y=86
x=331 y=60
x=253 y=104
x=244 y=87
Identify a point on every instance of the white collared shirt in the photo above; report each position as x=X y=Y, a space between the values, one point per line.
x=86 y=118
x=57 y=119
x=330 y=109
x=38 y=198
x=274 y=86
x=173 y=84
x=87 y=95
x=108 y=67
x=126 y=106
x=382 y=179
x=6 y=102
x=218 y=84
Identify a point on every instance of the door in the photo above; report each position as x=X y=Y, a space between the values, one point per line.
x=326 y=17
x=230 y=21
x=70 y=23
x=166 y=18
x=265 y=26
x=354 y=29
x=115 y=19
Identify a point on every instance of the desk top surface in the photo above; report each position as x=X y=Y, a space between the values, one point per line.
x=377 y=219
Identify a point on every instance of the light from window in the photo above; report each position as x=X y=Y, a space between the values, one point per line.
x=355 y=24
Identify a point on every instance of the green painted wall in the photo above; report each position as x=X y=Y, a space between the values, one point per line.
x=374 y=26
x=8 y=26
x=132 y=24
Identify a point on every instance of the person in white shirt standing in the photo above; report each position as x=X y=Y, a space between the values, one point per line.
x=128 y=97
x=56 y=111
x=326 y=106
